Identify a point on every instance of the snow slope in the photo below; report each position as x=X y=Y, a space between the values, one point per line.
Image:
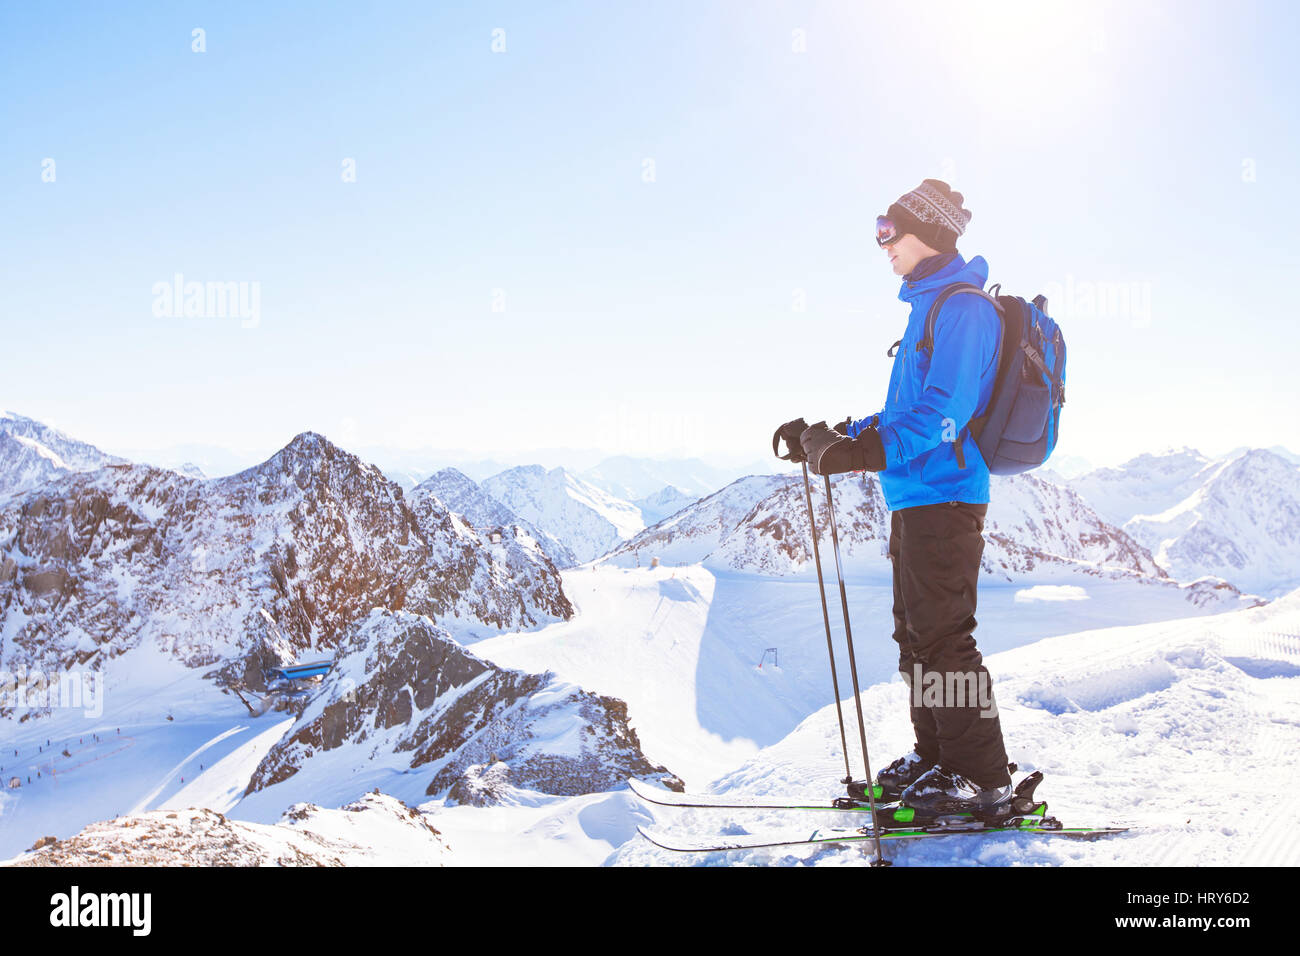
x=1184 y=726
x=682 y=646
x=1184 y=730
x=154 y=731
x=408 y=707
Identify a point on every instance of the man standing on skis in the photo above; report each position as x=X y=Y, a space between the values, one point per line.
x=936 y=484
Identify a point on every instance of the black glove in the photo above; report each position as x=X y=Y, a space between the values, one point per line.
x=790 y=431
x=843 y=427
x=832 y=454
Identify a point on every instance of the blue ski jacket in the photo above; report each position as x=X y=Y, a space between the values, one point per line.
x=930 y=454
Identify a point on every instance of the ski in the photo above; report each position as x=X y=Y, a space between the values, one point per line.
x=893 y=821
x=863 y=835
x=704 y=801
x=888 y=814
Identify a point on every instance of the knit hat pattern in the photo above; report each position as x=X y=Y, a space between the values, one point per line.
x=932 y=212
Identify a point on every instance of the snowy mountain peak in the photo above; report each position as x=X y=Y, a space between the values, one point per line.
x=448 y=479
x=1147 y=484
x=1167 y=461
x=586 y=519
x=1263 y=458
x=531 y=471
x=32 y=453
x=695 y=532
x=1241 y=524
x=312 y=536
x=461 y=494
x=663 y=503
x=311 y=460
x=307 y=447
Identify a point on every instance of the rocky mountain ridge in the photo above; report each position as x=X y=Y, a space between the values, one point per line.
x=94 y=563
x=403 y=687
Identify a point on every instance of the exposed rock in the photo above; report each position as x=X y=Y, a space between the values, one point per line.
x=93 y=564
x=482 y=785
x=375 y=825
x=401 y=684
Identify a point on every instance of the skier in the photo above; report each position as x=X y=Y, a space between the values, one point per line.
x=936 y=485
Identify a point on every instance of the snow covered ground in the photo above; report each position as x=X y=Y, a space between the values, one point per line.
x=1184 y=730
x=682 y=646
x=1137 y=709
x=76 y=768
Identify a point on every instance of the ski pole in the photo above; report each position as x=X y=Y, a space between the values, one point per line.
x=795 y=453
x=853 y=673
x=826 y=619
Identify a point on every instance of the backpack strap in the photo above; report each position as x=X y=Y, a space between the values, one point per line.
x=927 y=338
x=976 y=424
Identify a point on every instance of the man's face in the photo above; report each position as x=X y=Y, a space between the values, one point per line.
x=907 y=253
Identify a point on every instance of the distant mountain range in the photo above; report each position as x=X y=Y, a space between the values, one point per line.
x=1035 y=530
x=639 y=478
x=1177 y=513
x=1236 y=517
x=623 y=476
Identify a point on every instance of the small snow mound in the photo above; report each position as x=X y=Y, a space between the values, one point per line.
x=1051 y=592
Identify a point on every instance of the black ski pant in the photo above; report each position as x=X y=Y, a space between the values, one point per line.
x=935 y=550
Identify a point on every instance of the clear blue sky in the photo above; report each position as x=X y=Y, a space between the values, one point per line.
x=1113 y=145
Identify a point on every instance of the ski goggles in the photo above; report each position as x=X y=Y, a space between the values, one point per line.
x=887 y=231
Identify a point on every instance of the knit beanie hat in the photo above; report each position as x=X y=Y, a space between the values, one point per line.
x=933 y=213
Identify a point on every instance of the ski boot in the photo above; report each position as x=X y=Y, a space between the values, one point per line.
x=941 y=793
x=893 y=780
x=944 y=798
